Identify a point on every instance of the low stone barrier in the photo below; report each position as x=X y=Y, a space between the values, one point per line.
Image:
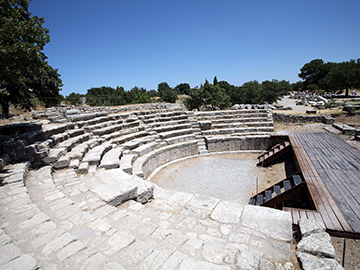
x=296 y=118
x=146 y=164
x=235 y=143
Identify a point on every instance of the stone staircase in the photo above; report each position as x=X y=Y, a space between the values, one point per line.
x=236 y=123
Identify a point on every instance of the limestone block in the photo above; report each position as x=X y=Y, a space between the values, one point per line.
x=54 y=155
x=75 y=163
x=94 y=156
x=227 y=212
x=308 y=227
x=310 y=262
x=248 y=259
x=63 y=162
x=200 y=206
x=317 y=244
x=25 y=262
x=214 y=252
x=256 y=218
x=144 y=149
x=83 y=168
x=111 y=159
x=113 y=186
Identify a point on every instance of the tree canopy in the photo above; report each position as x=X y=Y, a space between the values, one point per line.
x=24 y=72
x=331 y=76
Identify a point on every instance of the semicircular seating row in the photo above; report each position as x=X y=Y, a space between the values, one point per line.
x=139 y=142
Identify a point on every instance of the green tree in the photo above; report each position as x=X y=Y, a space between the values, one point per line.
x=24 y=72
x=73 y=99
x=251 y=92
x=182 y=89
x=166 y=92
x=209 y=96
x=344 y=75
x=138 y=95
x=195 y=99
x=153 y=93
x=314 y=73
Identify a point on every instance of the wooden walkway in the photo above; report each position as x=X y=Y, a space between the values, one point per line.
x=331 y=169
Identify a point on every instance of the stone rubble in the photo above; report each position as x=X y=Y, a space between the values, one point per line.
x=315 y=250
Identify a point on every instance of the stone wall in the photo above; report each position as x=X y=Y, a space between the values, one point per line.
x=234 y=143
x=296 y=118
x=164 y=155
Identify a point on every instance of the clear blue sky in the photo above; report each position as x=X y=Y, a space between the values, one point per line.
x=143 y=43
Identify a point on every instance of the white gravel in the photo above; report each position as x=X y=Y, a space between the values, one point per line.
x=230 y=177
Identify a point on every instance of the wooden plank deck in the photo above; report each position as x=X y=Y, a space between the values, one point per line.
x=331 y=169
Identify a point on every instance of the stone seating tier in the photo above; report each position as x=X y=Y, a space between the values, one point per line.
x=102 y=119
x=229 y=131
x=129 y=136
x=175 y=133
x=156 y=124
x=146 y=164
x=84 y=117
x=145 y=148
x=240 y=120
x=90 y=128
x=172 y=127
x=94 y=156
x=241 y=124
x=111 y=159
x=129 y=145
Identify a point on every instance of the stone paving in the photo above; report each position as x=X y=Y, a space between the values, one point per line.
x=60 y=220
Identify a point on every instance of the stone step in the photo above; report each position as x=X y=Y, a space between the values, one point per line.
x=180 y=139
x=104 y=125
x=52 y=129
x=175 y=133
x=127 y=161
x=166 y=128
x=79 y=151
x=72 y=142
x=84 y=117
x=35 y=233
x=249 y=112
x=241 y=125
x=158 y=123
x=94 y=156
x=54 y=155
x=345 y=129
x=111 y=159
x=138 y=142
x=144 y=149
x=80 y=230
x=239 y=120
x=238 y=130
x=129 y=136
x=115 y=187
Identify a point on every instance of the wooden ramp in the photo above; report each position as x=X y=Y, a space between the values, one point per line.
x=331 y=169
